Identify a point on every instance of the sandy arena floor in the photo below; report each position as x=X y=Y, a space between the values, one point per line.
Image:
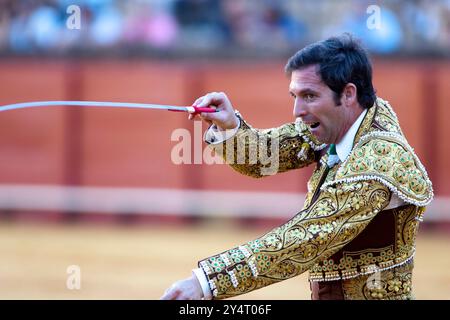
x=141 y=262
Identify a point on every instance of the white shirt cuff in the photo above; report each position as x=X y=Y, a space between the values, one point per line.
x=214 y=136
x=201 y=277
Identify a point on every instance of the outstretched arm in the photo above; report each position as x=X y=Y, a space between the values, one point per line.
x=340 y=213
x=316 y=233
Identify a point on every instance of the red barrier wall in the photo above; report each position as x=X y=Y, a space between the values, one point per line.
x=132 y=148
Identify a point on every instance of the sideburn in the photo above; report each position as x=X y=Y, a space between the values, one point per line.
x=337 y=98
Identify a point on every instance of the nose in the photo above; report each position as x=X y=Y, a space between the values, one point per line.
x=299 y=110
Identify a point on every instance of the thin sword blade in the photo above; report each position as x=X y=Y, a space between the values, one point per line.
x=90 y=104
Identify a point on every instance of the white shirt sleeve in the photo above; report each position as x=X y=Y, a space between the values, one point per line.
x=215 y=136
x=207 y=295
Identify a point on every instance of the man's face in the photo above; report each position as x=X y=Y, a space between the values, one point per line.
x=315 y=106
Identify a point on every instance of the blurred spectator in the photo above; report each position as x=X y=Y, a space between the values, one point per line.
x=106 y=29
x=258 y=27
x=201 y=23
x=383 y=37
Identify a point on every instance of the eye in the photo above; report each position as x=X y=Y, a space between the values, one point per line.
x=292 y=95
x=308 y=97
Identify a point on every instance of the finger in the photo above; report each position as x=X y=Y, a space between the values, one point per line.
x=188 y=296
x=213 y=98
x=198 y=101
x=185 y=297
x=167 y=296
x=194 y=116
x=170 y=295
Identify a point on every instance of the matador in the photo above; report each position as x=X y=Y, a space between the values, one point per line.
x=367 y=194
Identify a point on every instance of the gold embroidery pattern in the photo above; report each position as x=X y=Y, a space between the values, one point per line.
x=381 y=117
x=354 y=192
x=407 y=227
x=367 y=123
x=338 y=216
x=388 y=159
x=314 y=181
x=386 y=117
x=393 y=284
x=295 y=143
x=354 y=264
x=381 y=152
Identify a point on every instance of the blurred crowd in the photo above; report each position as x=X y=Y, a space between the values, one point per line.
x=220 y=27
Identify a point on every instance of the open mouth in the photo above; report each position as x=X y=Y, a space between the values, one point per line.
x=314 y=125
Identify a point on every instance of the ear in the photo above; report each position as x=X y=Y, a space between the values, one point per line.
x=350 y=94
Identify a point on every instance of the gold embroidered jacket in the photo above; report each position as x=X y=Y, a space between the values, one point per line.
x=344 y=235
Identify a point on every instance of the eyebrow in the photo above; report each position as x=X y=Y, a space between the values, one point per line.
x=304 y=91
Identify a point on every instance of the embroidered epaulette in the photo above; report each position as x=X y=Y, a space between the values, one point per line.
x=387 y=157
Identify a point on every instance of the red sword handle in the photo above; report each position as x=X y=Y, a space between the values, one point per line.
x=196 y=110
x=204 y=109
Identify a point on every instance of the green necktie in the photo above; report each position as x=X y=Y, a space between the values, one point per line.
x=332 y=156
x=332 y=149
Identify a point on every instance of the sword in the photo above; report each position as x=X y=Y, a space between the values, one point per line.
x=192 y=109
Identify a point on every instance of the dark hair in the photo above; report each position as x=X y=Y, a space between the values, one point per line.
x=341 y=60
